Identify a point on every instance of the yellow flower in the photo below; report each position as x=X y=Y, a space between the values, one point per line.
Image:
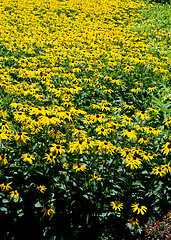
x=136 y=208
x=65 y=165
x=98 y=118
x=79 y=167
x=125 y=106
x=136 y=90
x=166 y=168
x=159 y=171
x=27 y=157
x=127 y=120
x=116 y=205
x=3 y=159
x=106 y=146
x=41 y=188
x=94 y=177
x=146 y=156
x=78 y=146
x=50 y=158
x=143 y=140
x=151 y=89
x=153 y=110
x=167 y=121
x=14 y=194
x=57 y=149
x=133 y=162
x=150 y=130
x=143 y=116
x=166 y=148
x=6 y=187
x=134 y=221
x=5 y=127
x=101 y=130
x=48 y=210
x=129 y=133
x=21 y=137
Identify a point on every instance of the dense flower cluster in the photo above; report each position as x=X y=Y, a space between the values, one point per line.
x=76 y=89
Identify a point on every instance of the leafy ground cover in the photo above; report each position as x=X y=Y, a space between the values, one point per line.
x=85 y=103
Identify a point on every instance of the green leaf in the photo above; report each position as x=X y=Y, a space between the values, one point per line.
x=37 y=204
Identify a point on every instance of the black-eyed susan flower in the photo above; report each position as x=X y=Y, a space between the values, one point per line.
x=151 y=89
x=5 y=126
x=50 y=158
x=3 y=159
x=133 y=162
x=167 y=121
x=21 y=137
x=65 y=165
x=116 y=205
x=151 y=130
x=153 y=110
x=98 y=118
x=134 y=221
x=105 y=146
x=126 y=152
x=95 y=177
x=79 y=167
x=126 y=106
x=78 y=146
x=126 y=120
x=47 y=210
x=27 y=157
x=139 y=210
x=101 y=130
x=166 y=148
x=14 y=194
x=144 y=140
x=5 y=136
x=136 y=90
x=143 y=116
x=57 y=149
x=20 y=116
x=131 y=134
x=159 y=171
x=41 y=188
x=6 y=187
x=166 y=168
x=146 y=156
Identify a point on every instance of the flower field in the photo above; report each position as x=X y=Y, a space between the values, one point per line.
x=85 y=119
